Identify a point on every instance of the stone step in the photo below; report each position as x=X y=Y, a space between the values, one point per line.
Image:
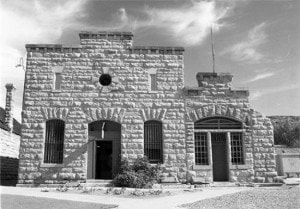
x=98 y=181
x=170 y=186
x=223 y=184
x=95 y=184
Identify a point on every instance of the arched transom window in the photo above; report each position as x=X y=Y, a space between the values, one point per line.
x=218 y=123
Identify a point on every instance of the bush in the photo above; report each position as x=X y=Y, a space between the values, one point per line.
x=287 y=135
x=138 y=175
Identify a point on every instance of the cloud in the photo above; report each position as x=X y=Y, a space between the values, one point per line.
x=257 y=94
x=248 y=50
x=261 y=77
x=38 y=21
x=189 y=24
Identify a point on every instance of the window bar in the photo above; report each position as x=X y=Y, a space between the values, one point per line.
x=237 y=148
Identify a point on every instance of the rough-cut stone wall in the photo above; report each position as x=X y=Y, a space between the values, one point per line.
x=214 y=97
x=129 y=101
x=82 y=99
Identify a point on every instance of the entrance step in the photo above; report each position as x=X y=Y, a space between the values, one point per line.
x=223 y=184
x=97 y=183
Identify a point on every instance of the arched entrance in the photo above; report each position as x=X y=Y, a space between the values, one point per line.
x=104 y=148
x=218 y=144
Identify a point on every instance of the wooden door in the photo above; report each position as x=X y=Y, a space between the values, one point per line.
x=219 y=155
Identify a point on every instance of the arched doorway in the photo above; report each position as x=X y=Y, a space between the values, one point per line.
x=104 y=148
x=219 y=144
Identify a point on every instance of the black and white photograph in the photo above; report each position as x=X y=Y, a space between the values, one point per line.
x=150 y=104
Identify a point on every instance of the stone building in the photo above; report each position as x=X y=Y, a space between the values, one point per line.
x=86 y=106
x=10 y=131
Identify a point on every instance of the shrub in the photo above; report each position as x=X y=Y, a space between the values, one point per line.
x=287 y=134
x=138 y=175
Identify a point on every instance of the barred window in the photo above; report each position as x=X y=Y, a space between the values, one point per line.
x=153 y=141
x=201 y=149
x=54 y=142
x=237 y=154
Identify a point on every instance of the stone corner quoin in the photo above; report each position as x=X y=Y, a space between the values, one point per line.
x=85 y=106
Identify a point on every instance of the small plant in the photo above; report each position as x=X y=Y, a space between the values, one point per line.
x=86 y=190
x=138 y=193
x=45 y=190
x=119 y=191
x=138 y=175
x=110 y=189
x=155 y=192
x=63 y=188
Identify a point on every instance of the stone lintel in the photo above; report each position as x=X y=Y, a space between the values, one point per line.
x=51 y=48
x=157 y=50
x=111 y=35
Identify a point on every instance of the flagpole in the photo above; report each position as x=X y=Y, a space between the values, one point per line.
x=212 y=49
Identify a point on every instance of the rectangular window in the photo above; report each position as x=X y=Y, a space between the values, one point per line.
x=237 y=153
x=153 y=82
x=153 y=141
x=57 y=80
x=54 y=142
x=201 y=149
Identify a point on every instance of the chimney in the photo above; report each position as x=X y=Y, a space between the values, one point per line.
x=9 y=106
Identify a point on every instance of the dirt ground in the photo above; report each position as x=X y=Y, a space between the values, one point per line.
x=25 y=202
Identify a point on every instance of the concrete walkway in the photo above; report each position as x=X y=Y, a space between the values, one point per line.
x=168 y=202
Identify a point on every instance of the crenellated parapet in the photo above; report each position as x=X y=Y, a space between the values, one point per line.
x=56 y=48
x=108 y=35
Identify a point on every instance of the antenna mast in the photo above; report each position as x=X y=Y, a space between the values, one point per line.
x=212 y=49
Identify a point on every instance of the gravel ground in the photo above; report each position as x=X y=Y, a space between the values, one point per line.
x=261 y=197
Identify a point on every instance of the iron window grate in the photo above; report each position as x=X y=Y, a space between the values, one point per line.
x=54 y=142
x=201 y=148
x=153 y=141
x=237 y=156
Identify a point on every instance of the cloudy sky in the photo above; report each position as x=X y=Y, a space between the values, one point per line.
x=257 y=40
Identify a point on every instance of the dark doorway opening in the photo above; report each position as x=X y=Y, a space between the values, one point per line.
x=104 y=150
x=219 y=155
x=104 y=160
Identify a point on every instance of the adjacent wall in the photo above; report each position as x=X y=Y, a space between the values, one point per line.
x=215 y=97
x=9 y=157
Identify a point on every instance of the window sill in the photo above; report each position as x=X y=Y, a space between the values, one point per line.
x=51 y=165
x=56 y=90
x=202 y=167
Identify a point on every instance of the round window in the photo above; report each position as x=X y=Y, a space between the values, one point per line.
x=105 y=79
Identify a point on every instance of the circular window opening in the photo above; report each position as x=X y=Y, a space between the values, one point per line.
x=105 y=79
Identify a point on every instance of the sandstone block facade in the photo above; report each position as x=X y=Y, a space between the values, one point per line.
x=144 y=84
